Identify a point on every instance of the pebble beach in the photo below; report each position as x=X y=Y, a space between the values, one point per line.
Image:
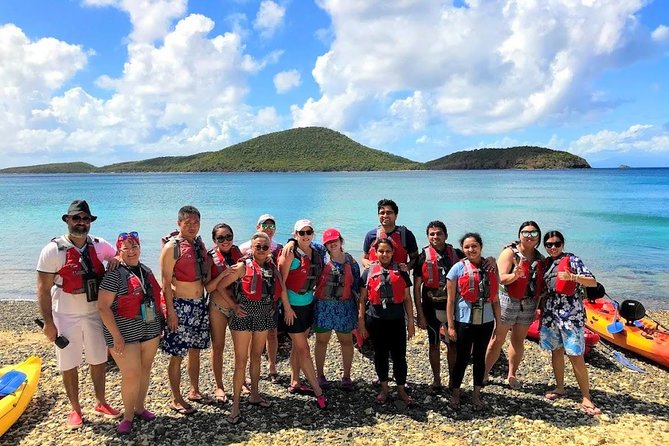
x=635 y=406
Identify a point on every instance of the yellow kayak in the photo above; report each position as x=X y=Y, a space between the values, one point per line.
x=17 y=386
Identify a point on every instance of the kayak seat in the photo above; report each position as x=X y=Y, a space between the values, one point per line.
x=594 y=293
x=631 y=311
x=11 y=381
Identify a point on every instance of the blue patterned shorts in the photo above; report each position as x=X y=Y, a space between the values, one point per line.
x=554 y=337
x=193 y=329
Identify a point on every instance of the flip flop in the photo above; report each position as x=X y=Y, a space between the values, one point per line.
x=553 y=395
x=202 y=399
x=234 y=419
x=302 y=389
x=273 y=378
x=183 y=410
x=221 y=399
x=514 y=383
x=261 y=403
x=591 y=411
x=381 y=399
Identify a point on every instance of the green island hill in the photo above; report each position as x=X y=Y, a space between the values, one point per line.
x=319 y=149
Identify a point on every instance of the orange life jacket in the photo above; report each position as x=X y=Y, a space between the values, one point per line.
x=383 y=284
x=140 y=289
x=330 y=283
x=477 y=284
x=305 y=276
x=399 y=237
x=532 y=285
x=77 y=266
x=254 y=286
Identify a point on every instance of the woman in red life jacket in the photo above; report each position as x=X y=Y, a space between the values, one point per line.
x=386 y=288
x=221 y=257
x=472 y=310
x=259 y=289
x=521 y=276
x=563 y=317
x=301 y=263
x=336 y=307
x=127 y=301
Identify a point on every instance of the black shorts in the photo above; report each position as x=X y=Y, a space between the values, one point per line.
x=304 y=319
x=433 y=322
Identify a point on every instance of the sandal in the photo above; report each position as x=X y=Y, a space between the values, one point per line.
x=554 y=395
x=381 y=398
x=260 y=403
x=183 y=410
x=234 y=419
x=591 y=411
x=514 y=383
x=301 y=389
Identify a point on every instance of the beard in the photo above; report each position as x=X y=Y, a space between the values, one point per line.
x=78 y=231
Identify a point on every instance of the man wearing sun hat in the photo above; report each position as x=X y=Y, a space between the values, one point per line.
x=69 y=270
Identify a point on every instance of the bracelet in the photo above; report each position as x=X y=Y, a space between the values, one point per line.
x=574 y=277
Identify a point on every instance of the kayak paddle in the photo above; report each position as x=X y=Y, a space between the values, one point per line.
x=622 y=359
x=616 y=326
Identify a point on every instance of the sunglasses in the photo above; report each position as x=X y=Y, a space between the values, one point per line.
x=126 y=235
x=551 y=244
x=85 y=218
x=224 y=238
x=530 y=234
x=261 y=247
x=306 y=232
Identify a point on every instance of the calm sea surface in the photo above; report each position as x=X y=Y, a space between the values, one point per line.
x=617 y=221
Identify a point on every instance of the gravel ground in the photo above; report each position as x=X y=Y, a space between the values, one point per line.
x=635 y=406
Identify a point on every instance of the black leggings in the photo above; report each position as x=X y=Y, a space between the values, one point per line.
x=469 y=335
x=390 y=340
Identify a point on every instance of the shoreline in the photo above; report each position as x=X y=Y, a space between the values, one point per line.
x=635 y=406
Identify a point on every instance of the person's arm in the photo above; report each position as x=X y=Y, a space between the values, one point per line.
x=497 y=311
x=366 y=246
x=451 y=288
x=408 y=309
x=582 y=276
x=44 y=284
x=105 y=301
x=362 y=329
x=507 y=260
x=167 y=262
x=417 y=298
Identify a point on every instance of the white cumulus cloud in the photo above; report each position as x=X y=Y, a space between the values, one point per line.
x=638 y=137
x=286 y=81
x=269 y=18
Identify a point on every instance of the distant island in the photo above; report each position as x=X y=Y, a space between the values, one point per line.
x=320 y=149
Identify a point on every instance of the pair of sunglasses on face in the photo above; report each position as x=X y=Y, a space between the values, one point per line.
x=306 y=232
x=224 y=238
x=530 y=234
x=549 y=245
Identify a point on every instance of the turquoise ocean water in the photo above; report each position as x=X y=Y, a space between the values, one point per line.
x=617 y=221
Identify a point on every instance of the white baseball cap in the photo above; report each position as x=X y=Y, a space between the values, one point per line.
x=301 y=224
x=264 y=217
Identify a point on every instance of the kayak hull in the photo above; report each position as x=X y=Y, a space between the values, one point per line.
x=14 y=404
x=648 y=340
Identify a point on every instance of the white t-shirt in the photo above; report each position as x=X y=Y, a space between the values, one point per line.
x=51 y=260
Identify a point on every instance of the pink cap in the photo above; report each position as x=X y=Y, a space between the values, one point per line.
x=330 y=235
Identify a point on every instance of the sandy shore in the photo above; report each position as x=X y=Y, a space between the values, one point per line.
x=635 y=406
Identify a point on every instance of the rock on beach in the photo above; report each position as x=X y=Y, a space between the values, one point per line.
x=635 y=406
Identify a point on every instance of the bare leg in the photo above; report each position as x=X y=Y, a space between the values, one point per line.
x=320 y=350
x=434 y=354
x=294 y=361
x=219 y=323
x=557 y=360
x=346 y=343
x=242 y=342
x=174 y=375
x=148 y=353
x=495 y=347
x=130 y=364
x=581 y=373
x=194 y=373
x=517 y=348
x=71 y=383
x=272 y=350
x=258 y=341
x=98 y=373
x=301 y=349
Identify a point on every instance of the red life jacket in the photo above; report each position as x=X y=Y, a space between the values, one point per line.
x=330 y=282
x=433 y=274
x=190 y=260
x=566 y=287
x=399 y=237
x=305 y=276
x=253 y=283
x=218 y=263
x=470 y=283
x=532 y=285
x=73 y=271
x=381 y=282
x=128 y=305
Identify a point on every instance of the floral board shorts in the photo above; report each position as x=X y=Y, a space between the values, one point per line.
x=193 y=329
x=572 y=338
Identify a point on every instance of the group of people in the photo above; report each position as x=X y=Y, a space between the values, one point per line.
x=261 y=287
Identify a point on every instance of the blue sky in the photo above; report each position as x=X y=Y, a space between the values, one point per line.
x=104 y=81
